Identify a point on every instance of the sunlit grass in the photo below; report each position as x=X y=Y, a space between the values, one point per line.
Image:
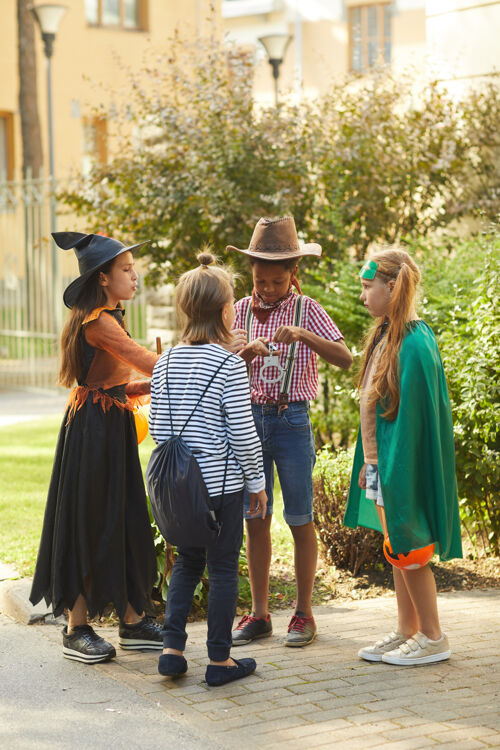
x=26 y=455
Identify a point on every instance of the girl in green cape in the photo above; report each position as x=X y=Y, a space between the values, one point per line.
x=403 y=478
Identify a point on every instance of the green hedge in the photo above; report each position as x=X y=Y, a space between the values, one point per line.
x=349 y=549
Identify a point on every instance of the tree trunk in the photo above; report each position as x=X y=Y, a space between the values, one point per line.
x=28 y=97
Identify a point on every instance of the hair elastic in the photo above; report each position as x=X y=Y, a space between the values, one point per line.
x=369 y=270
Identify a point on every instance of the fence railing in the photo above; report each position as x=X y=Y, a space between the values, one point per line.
x=33 y=273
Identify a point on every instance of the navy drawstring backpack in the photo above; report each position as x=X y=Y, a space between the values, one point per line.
x=181 y=505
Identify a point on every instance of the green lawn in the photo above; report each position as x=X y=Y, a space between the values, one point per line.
x=26 y=455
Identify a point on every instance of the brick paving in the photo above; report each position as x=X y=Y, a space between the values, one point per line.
x=323 y=695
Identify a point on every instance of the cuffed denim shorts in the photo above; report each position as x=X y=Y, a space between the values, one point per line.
x=373 y=488
x=287 y=442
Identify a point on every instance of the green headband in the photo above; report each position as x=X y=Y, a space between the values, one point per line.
x=369 y=270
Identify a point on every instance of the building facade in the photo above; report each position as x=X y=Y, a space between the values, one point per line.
x=330 y=38
x=97 y=42
x=454 y=41
x=462 y=41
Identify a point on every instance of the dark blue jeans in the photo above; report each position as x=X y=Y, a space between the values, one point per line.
x=287 y=442
x=221 y=558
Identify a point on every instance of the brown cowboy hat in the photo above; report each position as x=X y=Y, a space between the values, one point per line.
x=276 y=239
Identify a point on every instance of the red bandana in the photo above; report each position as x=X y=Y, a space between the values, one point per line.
x=262 y=310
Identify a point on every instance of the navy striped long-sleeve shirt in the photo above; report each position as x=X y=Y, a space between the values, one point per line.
x=223 y=420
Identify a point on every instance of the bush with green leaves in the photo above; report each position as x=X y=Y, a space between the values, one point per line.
x=349 y=549
x=470 y=348
x=449 y=267
x=198 y=161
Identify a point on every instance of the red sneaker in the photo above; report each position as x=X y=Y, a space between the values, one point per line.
x=250 y=628
x=301 y=631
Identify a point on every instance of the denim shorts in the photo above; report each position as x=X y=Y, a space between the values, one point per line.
x=287 y=443
x=373 y=488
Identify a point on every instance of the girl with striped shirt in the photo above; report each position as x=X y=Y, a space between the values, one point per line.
x=222 y=436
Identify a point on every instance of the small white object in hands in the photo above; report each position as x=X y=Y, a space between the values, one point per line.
x=271 y=362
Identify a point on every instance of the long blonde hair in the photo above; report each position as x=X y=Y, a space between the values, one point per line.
x=393 y=264
x=201 y=295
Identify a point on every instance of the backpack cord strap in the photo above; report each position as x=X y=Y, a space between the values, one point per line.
x=248 y=328
x=200 y=398
x=212 y=509
x=168 y=393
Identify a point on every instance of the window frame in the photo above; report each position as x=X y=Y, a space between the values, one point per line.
x=99 y=155
x=8 y=117
x=382 y=39
x=142 y=18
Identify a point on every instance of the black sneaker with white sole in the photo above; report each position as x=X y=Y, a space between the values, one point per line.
x=250 y=628
x=83 y=644
x=144 y=635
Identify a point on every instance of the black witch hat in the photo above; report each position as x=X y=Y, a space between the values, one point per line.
x=92 y=252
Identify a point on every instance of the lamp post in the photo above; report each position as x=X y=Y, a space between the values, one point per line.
x=276 y=46
x=48 y=16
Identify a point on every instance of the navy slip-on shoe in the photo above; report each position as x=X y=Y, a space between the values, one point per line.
x=216 y=676
x=172 y=665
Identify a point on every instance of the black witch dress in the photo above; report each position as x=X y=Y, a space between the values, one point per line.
x=97 y=538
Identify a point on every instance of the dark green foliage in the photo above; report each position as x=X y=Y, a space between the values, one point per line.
x=335 y=413
x=470 y=347
x=349 y=549
x=207 y=165
x=199 y=162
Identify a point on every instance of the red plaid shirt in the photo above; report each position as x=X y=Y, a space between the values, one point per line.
x=304 y=385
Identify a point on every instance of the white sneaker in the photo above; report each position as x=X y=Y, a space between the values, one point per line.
x=389 y=643
x=419 y=650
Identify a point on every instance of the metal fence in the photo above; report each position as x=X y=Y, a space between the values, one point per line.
x=33 y=273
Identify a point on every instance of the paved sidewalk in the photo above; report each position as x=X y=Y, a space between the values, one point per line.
x=324 y=696
x=48 y=704
x=28 y=404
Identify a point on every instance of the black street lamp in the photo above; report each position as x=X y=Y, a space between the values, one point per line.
x=48 y=16
x=276 y=46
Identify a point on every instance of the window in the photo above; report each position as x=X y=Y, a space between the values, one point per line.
x=120 y=14
x=369 y=36
x=95 y=147
x=6 y=146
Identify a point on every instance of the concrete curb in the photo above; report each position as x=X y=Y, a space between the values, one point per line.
x=15 y=603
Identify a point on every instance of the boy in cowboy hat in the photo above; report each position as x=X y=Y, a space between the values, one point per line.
x=282 y=382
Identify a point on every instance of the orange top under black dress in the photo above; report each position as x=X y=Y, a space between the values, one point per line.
x=97 y=538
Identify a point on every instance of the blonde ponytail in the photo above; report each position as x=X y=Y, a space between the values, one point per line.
x=200 y=296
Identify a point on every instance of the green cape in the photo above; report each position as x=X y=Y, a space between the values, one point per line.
x=416 y=457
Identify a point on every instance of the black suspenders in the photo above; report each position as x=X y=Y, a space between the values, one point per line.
x=286 y=378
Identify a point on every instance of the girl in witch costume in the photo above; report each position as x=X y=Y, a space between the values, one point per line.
x=282 y=382
x=403 y=478
x=97 y=544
